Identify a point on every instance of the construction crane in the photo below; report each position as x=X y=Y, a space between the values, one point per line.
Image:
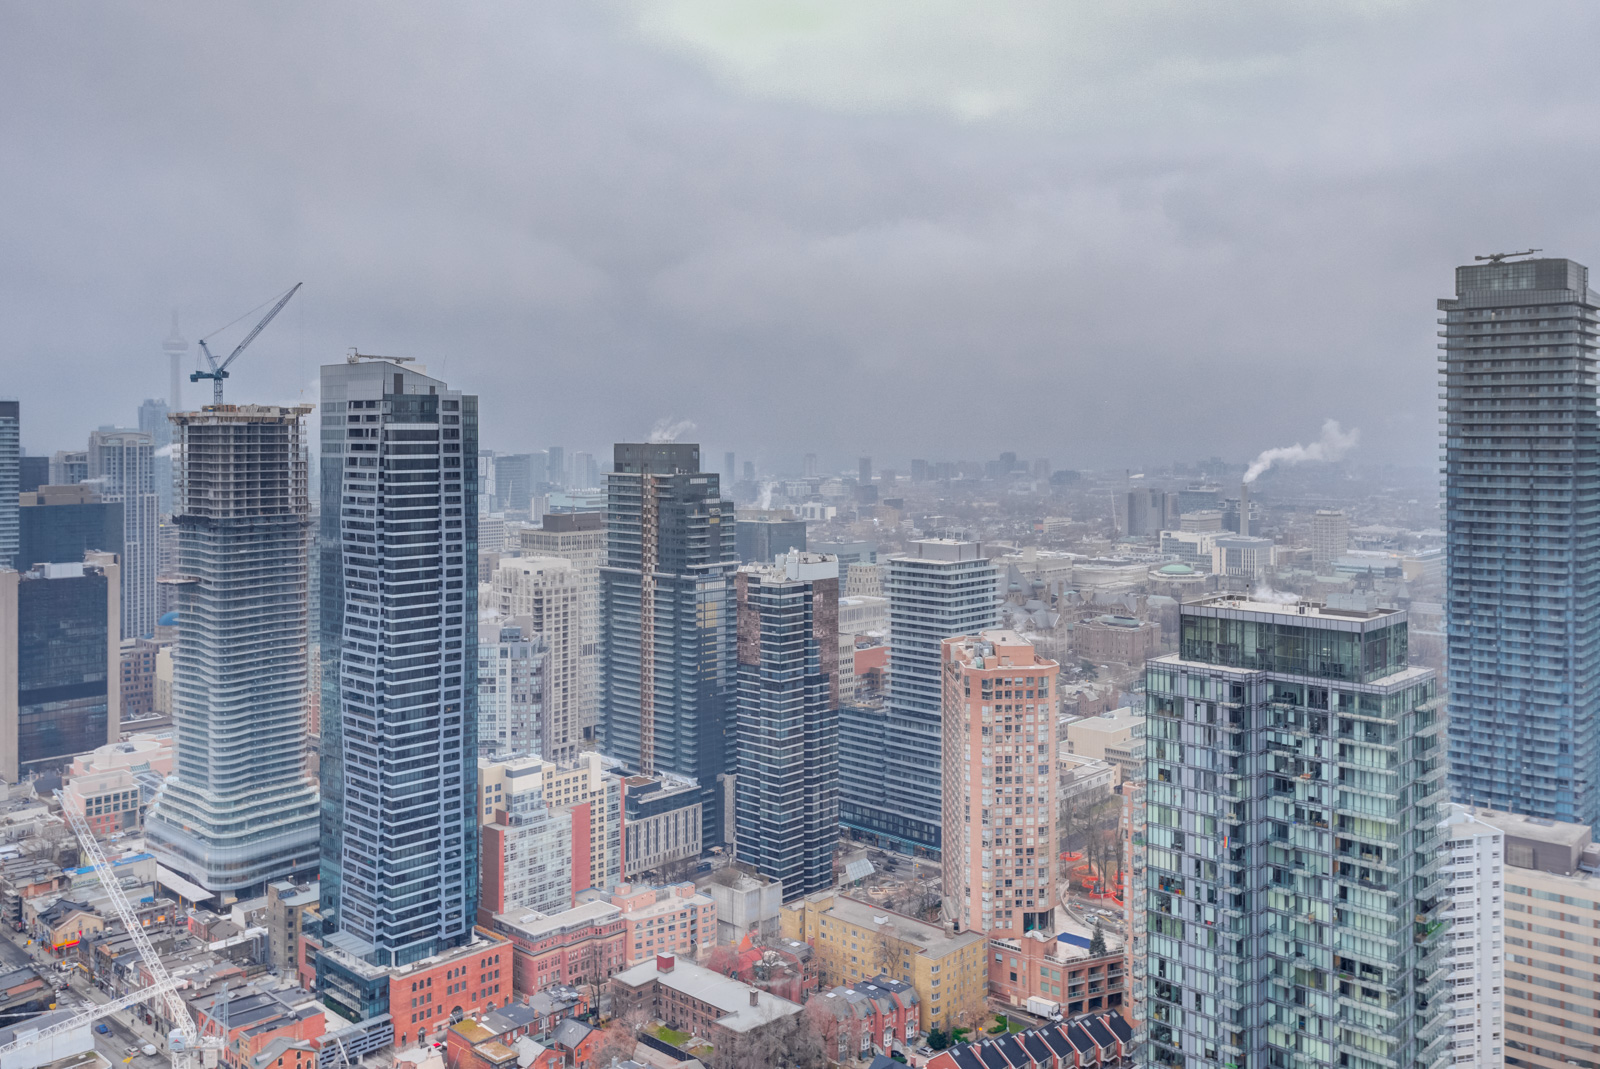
x=1497 y=257
x=188 y=1048
x=218 y=371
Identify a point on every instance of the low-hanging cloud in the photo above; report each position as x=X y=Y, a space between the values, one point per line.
x=1334 y=444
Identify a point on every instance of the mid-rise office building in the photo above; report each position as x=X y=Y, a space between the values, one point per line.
x=122 y=462
x=68 y=466
x=1294 y=788
x=1000 y=786
x=786 y=802
x=579 y=537
x=527 y=848
x=1551 y=914
x=1330 y=536
x=10 y=479
x=938 y=589
x=239 y=810
x=1522 y=598
x=399 y=558
x=662 y=822
x=513 y=680
x=59 y=653
x=668 y=672
x=1473 y=868
x=548 y=593
x=1149 y=511
x=59 y=524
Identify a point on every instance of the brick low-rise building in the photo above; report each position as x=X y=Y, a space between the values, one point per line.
x=582 y=945
x=697 y=1000
x=1059 y=968
x=665 y=920
x=876 y=1017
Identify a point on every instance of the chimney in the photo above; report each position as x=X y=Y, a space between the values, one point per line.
x=1244 y=509
x=665 y=962
x=755 y=997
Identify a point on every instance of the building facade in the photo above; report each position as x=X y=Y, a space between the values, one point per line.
x=1294 y=787
x=527 y=847
x=1000 y=786
x=513 y=682
x=786 y=803
x=59 y=657
x=579 y=537
x=122 y=463
x=10 y=482
x=1522 y=530
x=59 y=524
x=668 y=672
x=1474 y=870
x=761 y=539
x=239 y=809
x=399 y=559
x=548 y=593
x=1330 y=536
x=939 y=589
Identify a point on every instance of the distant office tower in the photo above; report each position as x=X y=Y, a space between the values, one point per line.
x=547 y=592
x=10 y=478
x=239 y=810
x=153 y=421
x=759 y=540
x=488 y=500
x=34 y=472
x=938 y=589
x=1330 y=536
x=1149 y=512
x=68 y=467
x=1474 y=852
x=730 y=471
x=59 y=524
x=585 y=471
x=60 y=649
x=849 y=553
x=919 y=471
x=122 y=462
x=810 y=469
x=786 y=800
x=749 y=471
x=399 y=664
x=513 y=674
x=667 y=667
x=579 y=537
x=513 y=481
x=864 y=470
x=175 y=348
x=1294 y=785
x=1522 y=599
x=556 y=466
x=1000 y=785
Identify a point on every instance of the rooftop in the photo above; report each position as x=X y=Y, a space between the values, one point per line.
x=730 y=996
x=932 y=938
x=534 y=925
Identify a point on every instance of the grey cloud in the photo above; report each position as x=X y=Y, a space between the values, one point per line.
x=1102 y=233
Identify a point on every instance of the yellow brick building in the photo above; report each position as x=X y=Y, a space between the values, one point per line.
x=856 y=941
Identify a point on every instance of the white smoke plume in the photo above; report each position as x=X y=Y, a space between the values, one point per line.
x=165 y=451
x=666 y=430
x=1334 y=443
x=1264 y=592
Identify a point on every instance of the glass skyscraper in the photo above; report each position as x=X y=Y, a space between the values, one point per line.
x=1294 y=785
x=1522 y=500
x=10 y=479
x=122 y=463
x=667 y=671
x=239 y=810
x=399 y=618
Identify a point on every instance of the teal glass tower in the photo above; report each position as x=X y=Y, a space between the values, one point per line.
x=1522 y=500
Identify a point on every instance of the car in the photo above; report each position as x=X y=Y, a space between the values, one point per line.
x=103 y=1028
x=130 y=1050
x=148 y=1049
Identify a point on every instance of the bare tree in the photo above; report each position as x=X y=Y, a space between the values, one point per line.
x=616 y=1042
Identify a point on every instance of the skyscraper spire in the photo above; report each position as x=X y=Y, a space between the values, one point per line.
x=176 y=349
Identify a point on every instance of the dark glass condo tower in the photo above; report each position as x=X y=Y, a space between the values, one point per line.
x=1522 y=499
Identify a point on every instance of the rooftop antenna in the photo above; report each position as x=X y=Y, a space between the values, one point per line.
x=218 y=371
x=1497 y=257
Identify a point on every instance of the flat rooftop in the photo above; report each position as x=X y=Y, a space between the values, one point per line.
x=933 y=939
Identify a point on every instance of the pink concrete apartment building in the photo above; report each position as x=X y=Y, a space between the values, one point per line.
x=676 y=920
x=999 y=734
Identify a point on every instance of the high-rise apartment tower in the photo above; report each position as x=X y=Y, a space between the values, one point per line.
x=1294 y=788
x=10 y=480
x=1522 y=524
x=239 y=810
x=399 y=614
x=667 y=670
x=122 y=461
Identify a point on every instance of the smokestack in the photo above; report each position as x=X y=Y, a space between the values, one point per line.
x=1244 y=509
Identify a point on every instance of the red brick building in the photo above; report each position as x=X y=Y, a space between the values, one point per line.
x=876 y=1017
x=424 y=997
x=583 y=945
x=1061 y=969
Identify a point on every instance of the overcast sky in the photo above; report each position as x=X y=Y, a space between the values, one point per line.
x=1102 y=233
